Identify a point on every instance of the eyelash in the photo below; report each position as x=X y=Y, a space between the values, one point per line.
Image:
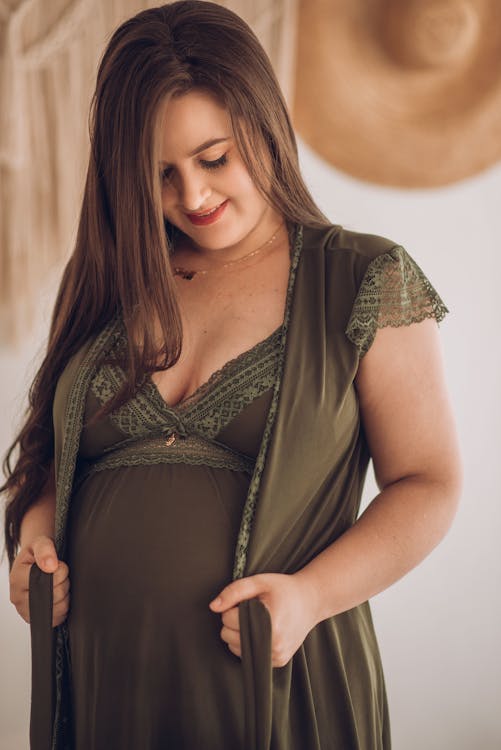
x=215 y=164
x=205 y=164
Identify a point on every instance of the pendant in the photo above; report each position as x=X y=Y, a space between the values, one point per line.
x=188 y=275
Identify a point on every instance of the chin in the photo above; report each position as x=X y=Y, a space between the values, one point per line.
x=217 y=235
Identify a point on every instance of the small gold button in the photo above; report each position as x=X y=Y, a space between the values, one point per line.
x=170 y=439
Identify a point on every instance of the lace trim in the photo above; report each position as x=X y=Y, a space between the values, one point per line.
x=73 y=422
x=138 y=415
x=242 y=544
x=169 y=448
x=394 y=292
x=206 y=411
x=228 y=390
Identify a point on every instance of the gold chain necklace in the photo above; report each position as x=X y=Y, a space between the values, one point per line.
x=188 y=275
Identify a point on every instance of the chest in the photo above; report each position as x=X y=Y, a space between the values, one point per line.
x=224 y=316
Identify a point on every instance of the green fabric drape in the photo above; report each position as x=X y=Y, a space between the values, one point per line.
x=304 y=493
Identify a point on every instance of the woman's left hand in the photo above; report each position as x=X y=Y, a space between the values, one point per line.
x=288 y=601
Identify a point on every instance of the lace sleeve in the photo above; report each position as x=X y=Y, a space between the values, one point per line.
x=394 y=292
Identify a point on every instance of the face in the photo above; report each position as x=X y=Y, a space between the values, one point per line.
x=198 y=175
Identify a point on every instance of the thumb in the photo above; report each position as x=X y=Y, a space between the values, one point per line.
x=237 y=591
x=45 y=554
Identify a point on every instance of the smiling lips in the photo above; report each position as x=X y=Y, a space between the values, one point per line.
x=208 y=217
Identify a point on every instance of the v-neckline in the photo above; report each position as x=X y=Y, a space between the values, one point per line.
x=205 y=388
x=186 y=403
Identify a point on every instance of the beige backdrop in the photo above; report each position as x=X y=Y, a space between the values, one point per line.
x=438 y=628
x=402 y=94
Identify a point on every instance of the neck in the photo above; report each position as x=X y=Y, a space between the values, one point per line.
x=190 y=254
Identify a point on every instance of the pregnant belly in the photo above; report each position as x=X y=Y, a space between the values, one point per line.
x=148 y=548
x=167 y=530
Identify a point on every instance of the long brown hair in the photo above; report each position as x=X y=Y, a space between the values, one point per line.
x=120 y=261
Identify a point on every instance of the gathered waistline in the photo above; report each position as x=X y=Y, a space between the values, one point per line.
x=169 y=448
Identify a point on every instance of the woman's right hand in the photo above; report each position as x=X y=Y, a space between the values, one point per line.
x=43 y=552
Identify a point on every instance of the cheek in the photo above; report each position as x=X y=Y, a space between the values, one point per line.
x=168 y=200
x=239 y=183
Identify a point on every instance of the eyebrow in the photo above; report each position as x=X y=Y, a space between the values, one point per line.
x=203 y=146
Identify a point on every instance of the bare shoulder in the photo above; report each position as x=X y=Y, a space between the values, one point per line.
x=405 y=405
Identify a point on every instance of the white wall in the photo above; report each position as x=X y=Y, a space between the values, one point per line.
x=438 y=627
x=17 y=368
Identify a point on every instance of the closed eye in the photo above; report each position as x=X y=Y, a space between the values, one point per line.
x=166 y=173
x=214 y=164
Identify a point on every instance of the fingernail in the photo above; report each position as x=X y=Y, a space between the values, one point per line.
x=216 y=602
x=49 y=562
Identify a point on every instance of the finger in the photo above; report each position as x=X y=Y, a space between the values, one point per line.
x=60 y=611
x=231 y=619
x=237 y=591
x=19 y=582
x=61 y=573
x=24 y=557
x=58 y=619
x=24 y=611
x=231 y=637
x=20 y=579
x=20 y=571
x=61 y=591
x=45 y=554
x=62 y=606
x=235 y=650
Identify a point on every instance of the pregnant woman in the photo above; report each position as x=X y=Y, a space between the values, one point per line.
x=223 y=362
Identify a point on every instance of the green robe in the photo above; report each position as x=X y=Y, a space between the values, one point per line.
x=305 y=491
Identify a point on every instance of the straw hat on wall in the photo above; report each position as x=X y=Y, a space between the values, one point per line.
x=405 y=93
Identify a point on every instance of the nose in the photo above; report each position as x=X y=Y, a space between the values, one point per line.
x=194 y=192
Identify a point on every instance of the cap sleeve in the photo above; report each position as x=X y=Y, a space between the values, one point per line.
x=394 y=292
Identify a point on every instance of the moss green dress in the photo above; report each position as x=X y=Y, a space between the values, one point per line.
x=158 y=508
x=149 y=548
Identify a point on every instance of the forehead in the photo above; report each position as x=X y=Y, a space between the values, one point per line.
x=188 y=121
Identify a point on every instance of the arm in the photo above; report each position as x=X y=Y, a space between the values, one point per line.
x=39 y=518
x=412 y=439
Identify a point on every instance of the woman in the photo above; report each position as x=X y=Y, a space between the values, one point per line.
x=222 y=364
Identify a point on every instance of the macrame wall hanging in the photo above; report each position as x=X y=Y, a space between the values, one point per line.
x=49 y=52
x=404 y=94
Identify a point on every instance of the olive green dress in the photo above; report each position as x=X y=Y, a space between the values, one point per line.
x=149 y=547
x=159 y=508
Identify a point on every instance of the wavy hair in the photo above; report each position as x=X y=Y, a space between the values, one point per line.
x=119 y=265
